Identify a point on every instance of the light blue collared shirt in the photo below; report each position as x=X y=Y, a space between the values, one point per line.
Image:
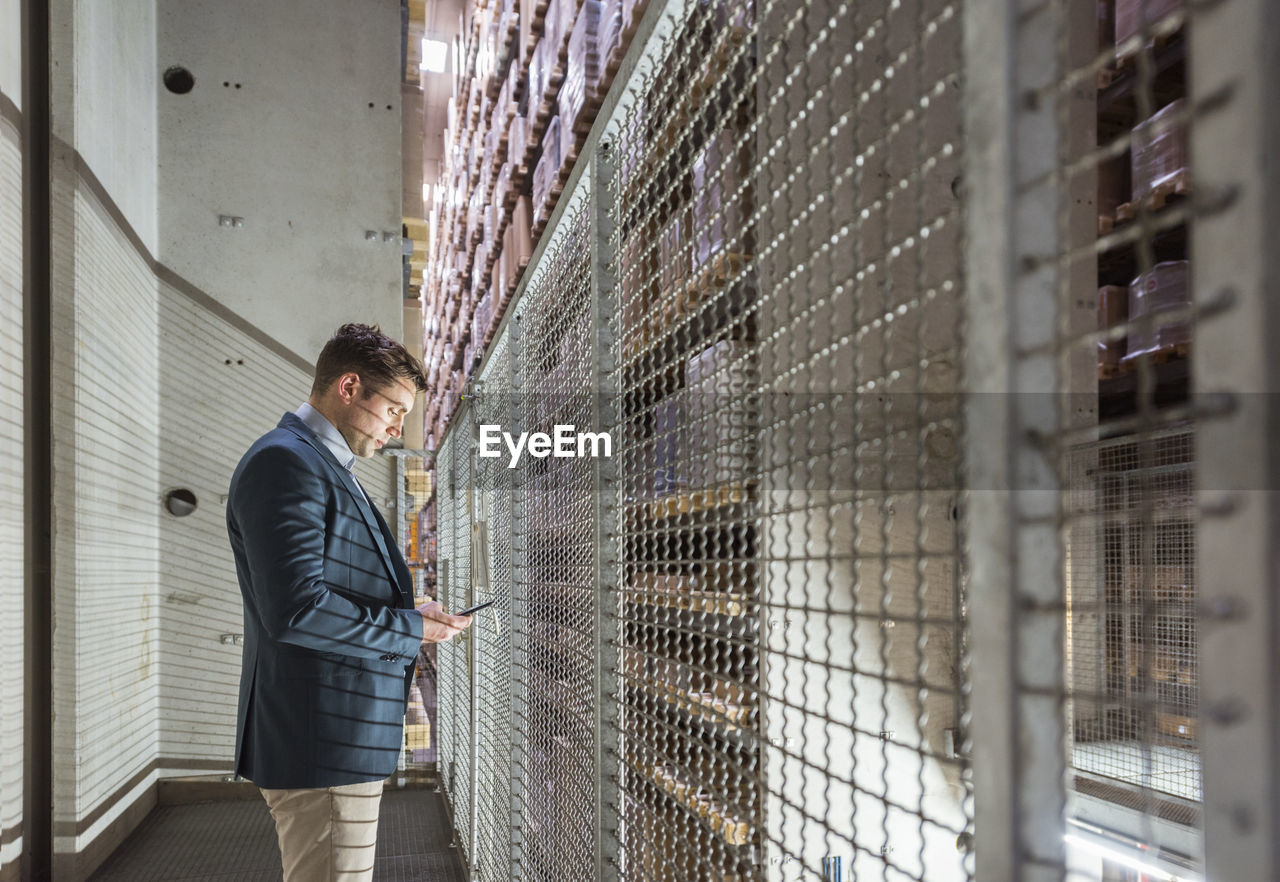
x=328 y=433
x=332 y=438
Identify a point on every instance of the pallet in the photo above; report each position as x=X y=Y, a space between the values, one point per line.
x=1176 y=186
x=539 y=18
x=1176 y=726
x=1112 y=371
x=586 y=119
x=1163 y=355
x=701 y=500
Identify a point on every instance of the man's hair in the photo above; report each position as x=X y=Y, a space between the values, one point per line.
x=365 y=350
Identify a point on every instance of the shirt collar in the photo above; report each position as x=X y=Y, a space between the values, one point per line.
x=328 y=433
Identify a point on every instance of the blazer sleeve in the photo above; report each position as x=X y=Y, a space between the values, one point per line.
x=279 y=509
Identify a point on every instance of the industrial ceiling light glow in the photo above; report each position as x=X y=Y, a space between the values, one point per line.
x=434 y=53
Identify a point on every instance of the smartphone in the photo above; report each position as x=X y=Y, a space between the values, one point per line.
x=475 y=609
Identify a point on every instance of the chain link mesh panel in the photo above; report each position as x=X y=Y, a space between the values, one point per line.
x=454 y=713
x=788 y=272
x=776 y=676
x=558 y=581
x=490 y=634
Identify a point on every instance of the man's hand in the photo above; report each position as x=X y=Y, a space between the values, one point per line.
x=438 y=626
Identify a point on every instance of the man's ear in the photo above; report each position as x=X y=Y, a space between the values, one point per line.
x=349 y=387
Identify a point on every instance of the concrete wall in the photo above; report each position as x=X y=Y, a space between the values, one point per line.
x=303 y=142
x=214 y=411
x=11 y=455
x=297 y=152
x=115 y=122
x=104 y=383
x=106 y=523
x=162 y=372
x=11 y=50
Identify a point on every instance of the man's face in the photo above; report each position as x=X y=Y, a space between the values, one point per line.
x=371 y=417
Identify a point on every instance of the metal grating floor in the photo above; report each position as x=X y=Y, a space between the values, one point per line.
x=235 y=840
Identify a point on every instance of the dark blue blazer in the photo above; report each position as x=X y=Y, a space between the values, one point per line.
x=330 y=633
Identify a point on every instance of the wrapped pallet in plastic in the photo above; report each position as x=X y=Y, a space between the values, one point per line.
x=537 y=77
x=720 y=198
x=522 y=225
x=502 y=188
x=516 y=141
x=584 y=64
x=546 y=175
x=1160 y=150
x=609 y=34
x=1163 y=288
x=657 y=467
x=477 y=268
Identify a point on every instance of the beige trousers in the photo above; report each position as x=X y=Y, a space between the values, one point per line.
x=327 y=834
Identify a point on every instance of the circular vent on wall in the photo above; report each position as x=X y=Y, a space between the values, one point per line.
x=179 y=80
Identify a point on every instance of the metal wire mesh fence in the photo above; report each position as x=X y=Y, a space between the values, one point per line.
x=890 y=561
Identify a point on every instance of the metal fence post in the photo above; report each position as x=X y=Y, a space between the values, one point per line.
x=1236 y=259
x=604 y=419
x=1016 y=729
x=518 y=613
x=478 y=549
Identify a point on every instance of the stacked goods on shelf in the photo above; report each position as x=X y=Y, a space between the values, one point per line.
x=546 y=176
x=674 y=261
x=504 y=131
x=1160 y=155
x=583 y=68
x=1170 y=585
x=721 y=206
x=1163 y=288
x=521 y=235
x=713 y=590
x=1113 y=310
x=546 y=65
x=507 y=154
x=638 y=289
x=1149 y=568
x=517 y=146
x=719 y=382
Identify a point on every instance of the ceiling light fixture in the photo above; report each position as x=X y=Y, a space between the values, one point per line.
x=434 y=54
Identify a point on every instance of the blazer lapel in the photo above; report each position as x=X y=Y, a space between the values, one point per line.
x=404 y=579
x=372 y=519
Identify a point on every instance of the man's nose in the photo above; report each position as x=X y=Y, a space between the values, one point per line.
x=394 y=430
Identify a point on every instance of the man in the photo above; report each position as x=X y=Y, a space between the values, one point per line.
x=330 y=630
